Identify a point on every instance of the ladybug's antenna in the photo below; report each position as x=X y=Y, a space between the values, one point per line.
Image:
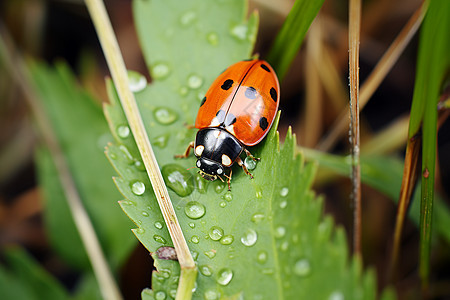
x=191 y=168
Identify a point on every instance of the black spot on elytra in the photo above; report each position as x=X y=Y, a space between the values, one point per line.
x=203 y=101
x=230 y=119
x=251 y=93
x=273 y=94
x=266 y=68
x=227 y=84
x=263 y=123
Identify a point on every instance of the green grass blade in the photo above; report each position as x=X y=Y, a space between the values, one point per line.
x=290 y=37
x=433 y=63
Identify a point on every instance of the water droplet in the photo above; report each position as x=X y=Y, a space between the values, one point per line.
x=302 y=267
x=112 y=155
x=188 y=18
x=194 y=255
x=201 y=183
x=165 y=116
x=239 y=31
x=160 y=70
x=336 y=295
x=220 y=186
x=126 y=202
x=250 y=163
x=227 y=239
x=211 y=295
x=138 y=188
x=178 y=179
x=284 y=192
x=283 y=204
x=280 y=231
x=215 y=233
x=136 y=81
x=228 y=196
x=145 y=214
x=139 y=165
x=126 y=152
x=173 y=293
x=261 y=257
x=140 y=230
x=195 y=239
x=224 y=276
x=183 y=91
x=258 y=192
x=284 y=246
x=212 y=38
x=257 y=217
x=158 y=225
x=249 y=238
x=205 y=270
x=223 y=204
x=161 y=140
x=159 y=239
x=160 y=295
x=194 y=210
x=211 y=253
x=192 y=225
x=194 y=81
x=123 y=131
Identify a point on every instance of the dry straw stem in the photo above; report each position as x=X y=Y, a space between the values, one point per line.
x=17 y=69
x=119 y=75
x=353 y=40
x=376 y=77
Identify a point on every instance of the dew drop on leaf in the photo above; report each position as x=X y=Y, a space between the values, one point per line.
x=159 y=239
x=239 y=32
x=127 y=154
x=249 y=238
x=302 y=267
x=194 y=81
x=139 y=165
x=211 y=253
x=138 y=188
x=123 y=131
x=165 y=115
x=212 y=38
x=257 y=217
x=188 y=18
x=336 y=295
x=249 y=163
x=280 y=231
x=228 y=196
x=136 y=81
x=284 y=192
x=192 y=225
x=205 y=270
x=140 y=230
x=183 y=91
x=160 y=295
x=158 y=225
x=258 y=192
x=160 y=70
x=283 y=204
x=223 y=204
x=211 y=295
x=227 y=239
x=220 y=186
x=284 y=246
x=178 y=179
x=261 y=257
x=195 y=239
x=145 y=214
x=194 y=210
x=215 y=233
x=161 y=140
x=224 y=276
x=194 y=255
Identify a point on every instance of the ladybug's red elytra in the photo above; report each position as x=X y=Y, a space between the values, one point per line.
x=237 y=111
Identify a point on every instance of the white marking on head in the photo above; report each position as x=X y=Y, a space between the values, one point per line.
x=219 y=171
x=214 y=122
x=226 y=160
x=199 y=164
x=230 y=129
x=199 y=150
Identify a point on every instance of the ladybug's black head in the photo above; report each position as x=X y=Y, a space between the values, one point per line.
x=209 y=169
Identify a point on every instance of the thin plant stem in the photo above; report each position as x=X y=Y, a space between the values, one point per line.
x=119 y=75
x=102 y=272
x=354 y=40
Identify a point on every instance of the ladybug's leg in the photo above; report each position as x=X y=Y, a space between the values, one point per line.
x=186 y=153
x=242 y=165
x=229 y=179
x=251 y=156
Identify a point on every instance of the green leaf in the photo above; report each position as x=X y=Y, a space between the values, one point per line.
x=82 y=133
x=266 y=238
x=26 y=279
x=291 y=35
x=433 y=64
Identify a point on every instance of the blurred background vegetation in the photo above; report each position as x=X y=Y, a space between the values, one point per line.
x=55 y=30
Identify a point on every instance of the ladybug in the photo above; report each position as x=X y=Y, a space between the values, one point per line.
x=237 y=111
